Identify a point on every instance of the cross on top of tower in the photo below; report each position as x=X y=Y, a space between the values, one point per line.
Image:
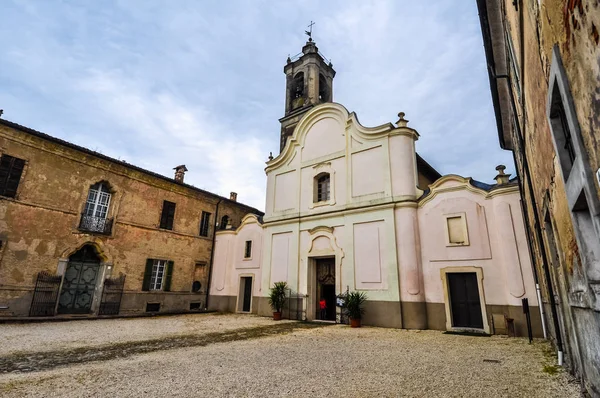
x=309 y=32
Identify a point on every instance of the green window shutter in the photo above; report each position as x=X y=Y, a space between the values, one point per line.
x=168 y=277
x=147 y=274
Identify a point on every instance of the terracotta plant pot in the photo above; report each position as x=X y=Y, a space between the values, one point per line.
x=354 y=323
x=277 y=316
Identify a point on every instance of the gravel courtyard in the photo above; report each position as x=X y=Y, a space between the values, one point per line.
x=235 y=355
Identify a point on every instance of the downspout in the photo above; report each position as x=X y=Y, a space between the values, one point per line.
x=212 y=254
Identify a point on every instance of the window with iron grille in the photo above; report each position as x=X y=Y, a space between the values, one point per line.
x=11 y=169
x=168 y=215
x=204 y=223
x=322 y=187
x=248 y=249
x=562 y=132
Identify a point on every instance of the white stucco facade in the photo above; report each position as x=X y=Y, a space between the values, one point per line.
x=384 y=235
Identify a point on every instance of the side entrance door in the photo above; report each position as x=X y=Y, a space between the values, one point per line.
x=79 y=282
x=464 y=300
x=247 y=293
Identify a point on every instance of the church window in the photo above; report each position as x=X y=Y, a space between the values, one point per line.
x=323 y=89
x=168 y=215
x=11 y=169
x=297 y=91
x=248 y=249
x=456 y=230
x=322 y=187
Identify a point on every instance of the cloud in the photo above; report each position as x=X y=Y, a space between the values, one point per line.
x=161 y=83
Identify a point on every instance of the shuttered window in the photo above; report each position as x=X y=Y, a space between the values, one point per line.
x=10 y=174
x=456 y=230
x=204 y=223
x=158 y=275
x=168 y=215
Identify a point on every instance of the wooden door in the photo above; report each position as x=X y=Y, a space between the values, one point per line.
x=464 y=300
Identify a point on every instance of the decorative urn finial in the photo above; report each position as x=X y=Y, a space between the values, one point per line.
x=402 y=122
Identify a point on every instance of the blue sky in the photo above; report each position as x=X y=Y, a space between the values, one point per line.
x=161 y=83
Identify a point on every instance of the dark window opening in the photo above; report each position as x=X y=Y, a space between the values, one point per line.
x=10 y=174
x=196 y=286
x=248 y=249
x=152 y=307
x=224 y=222
x=168 y=215
x=297 y=91
x=323 y=89
x=322 y=187
x=562 y=132
x=204 y=224
x=194 y=306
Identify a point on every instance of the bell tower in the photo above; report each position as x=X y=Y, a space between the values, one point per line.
x=309 y=82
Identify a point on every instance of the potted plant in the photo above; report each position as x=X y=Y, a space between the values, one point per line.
x=277 y=299
x=355 y=307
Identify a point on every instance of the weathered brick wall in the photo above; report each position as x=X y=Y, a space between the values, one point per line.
x=573 y=26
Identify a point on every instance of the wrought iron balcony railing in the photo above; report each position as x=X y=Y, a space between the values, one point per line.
x=95 y=224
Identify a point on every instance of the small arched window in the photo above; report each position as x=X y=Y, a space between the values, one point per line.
x=322 y=187
x=224 y=222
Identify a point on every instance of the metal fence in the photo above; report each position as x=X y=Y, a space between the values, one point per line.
x=45 y=295
x=110 y=304
x=295 y=306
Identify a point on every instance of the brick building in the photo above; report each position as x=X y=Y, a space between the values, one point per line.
x=542 y=59
x=71 y=219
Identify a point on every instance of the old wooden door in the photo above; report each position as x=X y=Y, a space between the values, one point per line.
x=464 y=299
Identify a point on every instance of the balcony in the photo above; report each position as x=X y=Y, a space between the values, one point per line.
x=95 y=225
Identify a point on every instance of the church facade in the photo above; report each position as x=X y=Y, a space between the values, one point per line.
x=350 y=208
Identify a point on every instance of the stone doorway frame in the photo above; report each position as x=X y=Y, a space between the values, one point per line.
x=478 y=271
x=239 y=301
x=314 y=252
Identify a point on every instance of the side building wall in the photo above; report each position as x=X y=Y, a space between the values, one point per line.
x=40 y=227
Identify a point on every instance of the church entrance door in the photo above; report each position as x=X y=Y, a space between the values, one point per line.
x=325 y=276
x=79 y=282
x=464 y=299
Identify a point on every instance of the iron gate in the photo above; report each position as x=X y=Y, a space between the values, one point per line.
x=112 y=295
x=45 y=294
x=294 y=306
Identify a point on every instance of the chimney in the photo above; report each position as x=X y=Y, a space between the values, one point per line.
x=233 y=196
x=180 y=172
x=501 y=178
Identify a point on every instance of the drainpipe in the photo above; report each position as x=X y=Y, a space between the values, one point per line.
x=212 y=255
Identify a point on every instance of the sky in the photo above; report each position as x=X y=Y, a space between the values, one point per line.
x=201 y=83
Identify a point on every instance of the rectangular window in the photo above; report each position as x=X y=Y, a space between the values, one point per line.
x=158 y=274
x=10 y=174
x=168 y=214
x=248 y=249
x=456 y=230
x=562 y=132
x=204 y=223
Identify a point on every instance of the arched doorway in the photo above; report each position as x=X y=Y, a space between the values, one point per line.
x=79 y=281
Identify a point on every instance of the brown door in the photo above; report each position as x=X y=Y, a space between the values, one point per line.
x=464 y=299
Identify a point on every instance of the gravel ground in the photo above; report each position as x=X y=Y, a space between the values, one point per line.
x=50 y=336
x=332 y=361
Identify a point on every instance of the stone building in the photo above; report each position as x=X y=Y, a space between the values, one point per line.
x=544 y=71
x=71 y=219
x=350 y=207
